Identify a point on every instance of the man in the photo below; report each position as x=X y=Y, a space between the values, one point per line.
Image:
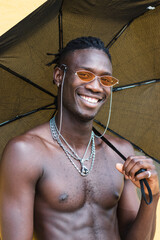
x=62 y=181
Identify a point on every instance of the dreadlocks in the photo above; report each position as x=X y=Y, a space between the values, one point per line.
x=80 y=43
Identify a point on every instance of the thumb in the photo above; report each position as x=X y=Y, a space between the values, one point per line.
x=119 y=167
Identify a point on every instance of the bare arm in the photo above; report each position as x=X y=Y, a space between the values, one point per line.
x=137 y=221
x=18 y=177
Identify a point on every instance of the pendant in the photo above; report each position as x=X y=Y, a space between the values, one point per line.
x=84 y=170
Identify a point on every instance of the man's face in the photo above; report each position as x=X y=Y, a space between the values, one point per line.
x=84 y=99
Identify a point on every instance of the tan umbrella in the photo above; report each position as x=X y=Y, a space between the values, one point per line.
x=26 y=81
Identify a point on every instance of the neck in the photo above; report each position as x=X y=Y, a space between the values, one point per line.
x=76 y=131
x=73 y=155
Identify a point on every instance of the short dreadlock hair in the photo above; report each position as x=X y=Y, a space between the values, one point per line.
x=80 y=43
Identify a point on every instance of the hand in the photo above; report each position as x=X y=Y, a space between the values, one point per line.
x=135 y=163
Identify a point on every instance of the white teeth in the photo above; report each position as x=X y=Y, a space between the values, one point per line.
x=89 y=99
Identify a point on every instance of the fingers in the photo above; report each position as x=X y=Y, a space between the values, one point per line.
x=146 y=174
x=135 y=163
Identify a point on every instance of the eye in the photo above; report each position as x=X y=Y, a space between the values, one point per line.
x=84 y=75
x=108 y=80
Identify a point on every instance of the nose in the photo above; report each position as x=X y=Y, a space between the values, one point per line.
x=95 y=85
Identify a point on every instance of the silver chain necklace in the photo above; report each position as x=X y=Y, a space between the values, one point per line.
x=72 y=154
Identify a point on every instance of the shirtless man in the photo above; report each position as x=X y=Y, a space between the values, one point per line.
x=46 y=184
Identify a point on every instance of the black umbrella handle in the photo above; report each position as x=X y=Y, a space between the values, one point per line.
x=142 y=182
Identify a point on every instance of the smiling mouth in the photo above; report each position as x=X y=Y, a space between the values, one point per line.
x=90 y=99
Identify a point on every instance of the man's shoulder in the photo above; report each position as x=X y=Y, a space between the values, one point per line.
x=33 y=136
x=121 y=145
x=28 y=145
x=117 y=140
x=23 y=158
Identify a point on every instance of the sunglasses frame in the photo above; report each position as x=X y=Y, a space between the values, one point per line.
x=95 y=76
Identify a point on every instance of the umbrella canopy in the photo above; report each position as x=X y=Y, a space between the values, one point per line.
x=129 y=28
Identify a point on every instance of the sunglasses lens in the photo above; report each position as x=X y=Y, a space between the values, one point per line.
x=85 y=75
x=108 y=81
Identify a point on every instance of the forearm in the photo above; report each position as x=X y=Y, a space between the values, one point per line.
x=143 y=226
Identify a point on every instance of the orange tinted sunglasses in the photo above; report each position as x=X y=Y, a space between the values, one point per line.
x=105 y=80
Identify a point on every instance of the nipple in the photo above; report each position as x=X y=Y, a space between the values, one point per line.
x=63 y=197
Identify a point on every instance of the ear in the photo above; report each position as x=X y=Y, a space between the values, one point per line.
x=57 y=76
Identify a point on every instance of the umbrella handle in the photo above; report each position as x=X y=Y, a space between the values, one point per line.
x=142 y=183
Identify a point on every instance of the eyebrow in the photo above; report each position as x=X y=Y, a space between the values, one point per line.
x=92 y=70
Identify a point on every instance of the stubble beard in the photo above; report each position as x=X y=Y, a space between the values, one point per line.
x=84 y=117
x=81 y=116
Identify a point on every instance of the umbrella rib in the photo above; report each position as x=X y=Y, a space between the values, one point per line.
x=27 y=114
x=114 y=39
x=137 y=84
x=26 y=80
x=60 y=23
x=134 y=145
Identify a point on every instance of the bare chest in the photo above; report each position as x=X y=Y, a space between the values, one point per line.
x=62 y=188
